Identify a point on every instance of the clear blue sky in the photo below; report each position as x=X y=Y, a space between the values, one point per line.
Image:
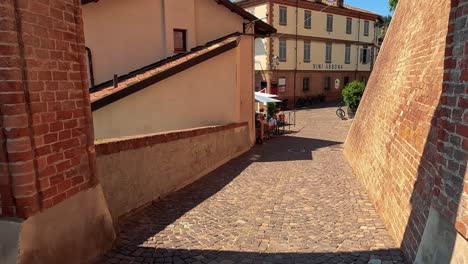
x=377 y=6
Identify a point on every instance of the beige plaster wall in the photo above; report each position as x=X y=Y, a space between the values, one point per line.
x=317 y=56
x=203 y=95
x=261 y=59
x=319 y=22
x=245 y=73
x=214 y=21
x=118 y=40
x=132 y=178
x=126 y=35
x=61 y=234
x=179 y=15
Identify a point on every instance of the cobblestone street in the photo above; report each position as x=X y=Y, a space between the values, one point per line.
x=291 y=200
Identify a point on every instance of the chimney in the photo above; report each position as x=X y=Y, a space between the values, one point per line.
x=339 y=3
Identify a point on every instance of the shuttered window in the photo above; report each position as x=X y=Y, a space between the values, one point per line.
x=180 y=40
x=305 y=84
x=366 y=28
x=349 y=25
x=307 y=19
x=329 y=23
x=347 y=54
x=282 y=50
x=328 y=53
x=283 y=15
x=306 y=51
x=327 y=83
x=365 y=55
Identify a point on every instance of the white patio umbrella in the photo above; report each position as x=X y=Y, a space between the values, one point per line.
x=263 y=98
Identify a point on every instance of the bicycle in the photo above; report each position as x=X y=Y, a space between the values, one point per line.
x=340 y=112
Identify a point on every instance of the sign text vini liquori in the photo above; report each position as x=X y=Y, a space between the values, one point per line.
x=327 y=66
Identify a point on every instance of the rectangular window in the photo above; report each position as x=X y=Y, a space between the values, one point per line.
x=345 y=81
x=349 y=25
x=327 y=83
x=305 y=84
x=365 y=55
x=329 y=23
x=283 y=15
x=307 y=19
x=180 y=40
x=306 y=51
x=282 y=85
x=282 y=50
x=328 y=53
x=347 y=54
x=366 y=28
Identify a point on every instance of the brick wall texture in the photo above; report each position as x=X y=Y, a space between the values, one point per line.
x=46 y=140
x=408 y=144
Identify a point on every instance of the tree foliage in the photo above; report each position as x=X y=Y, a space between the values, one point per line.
x=352 y=94
x=392 y=4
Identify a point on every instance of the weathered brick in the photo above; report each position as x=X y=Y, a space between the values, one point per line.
x=383 y=163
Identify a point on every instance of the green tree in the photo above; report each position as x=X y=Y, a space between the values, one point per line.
x=386 y=21
x=352 y=94
x=392 y=4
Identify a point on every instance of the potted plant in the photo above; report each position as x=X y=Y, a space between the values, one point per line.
x=271 y=108
x=352 y=95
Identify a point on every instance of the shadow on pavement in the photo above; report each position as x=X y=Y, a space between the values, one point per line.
x=166 y=255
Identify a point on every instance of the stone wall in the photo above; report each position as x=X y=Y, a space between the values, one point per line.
x=137 y=170
x=408 y=144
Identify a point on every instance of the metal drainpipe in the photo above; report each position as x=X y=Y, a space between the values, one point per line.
x=358 y=51
x=253 y=80
x=295 y=62
x=90 y=67
x=164 y=37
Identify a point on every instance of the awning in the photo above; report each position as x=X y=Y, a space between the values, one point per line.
x=265 y=98
x=266 y=94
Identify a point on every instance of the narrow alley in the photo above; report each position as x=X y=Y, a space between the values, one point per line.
x=291 y=200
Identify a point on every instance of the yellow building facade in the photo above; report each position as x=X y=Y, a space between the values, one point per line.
x=318 y=48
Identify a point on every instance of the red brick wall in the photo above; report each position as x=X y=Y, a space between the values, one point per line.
x=451 y=189
x=46 y=122
x=408 y=143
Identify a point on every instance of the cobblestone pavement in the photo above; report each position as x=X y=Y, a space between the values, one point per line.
x=291 y=200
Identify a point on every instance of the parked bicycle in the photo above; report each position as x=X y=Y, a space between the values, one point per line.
x=340 y=112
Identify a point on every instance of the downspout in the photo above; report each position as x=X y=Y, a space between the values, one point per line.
x=270 y=48
x=90 y=67
x=358 y=51
x=164 y=37
x=295 y=62
x=252 y=128
x=373 y=53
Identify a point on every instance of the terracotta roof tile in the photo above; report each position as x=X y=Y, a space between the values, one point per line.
x=150 y=71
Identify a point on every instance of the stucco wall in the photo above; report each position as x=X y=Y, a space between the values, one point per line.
x=214 y=21
x=78 y=230
x=114 y=31
x=319 y=22
x=126 y=35
x=317 y=56
x=179 y=15
x=203 y=95
x=138 y=170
